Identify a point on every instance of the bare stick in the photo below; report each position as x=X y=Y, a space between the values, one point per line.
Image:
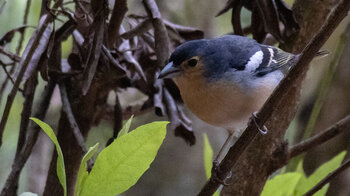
x=8 y=75
x=10 y=55
x=294 y=77
x=29 y=92
x=338 y=128
x=328 y=178
x=73 y=123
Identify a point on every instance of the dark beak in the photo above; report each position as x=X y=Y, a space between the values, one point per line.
x=169 y=71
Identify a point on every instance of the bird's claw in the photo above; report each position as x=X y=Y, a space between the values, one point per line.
x=215 y=177
x=263 y=130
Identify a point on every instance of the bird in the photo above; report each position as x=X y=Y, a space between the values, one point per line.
x=224 y=80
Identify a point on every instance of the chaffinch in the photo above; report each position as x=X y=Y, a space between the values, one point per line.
x=225 y=79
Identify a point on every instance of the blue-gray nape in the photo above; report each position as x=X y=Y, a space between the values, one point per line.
x=187 y=50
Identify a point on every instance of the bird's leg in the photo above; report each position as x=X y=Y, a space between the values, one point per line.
x=215 y=168
x=227 y=141
x=263 y=130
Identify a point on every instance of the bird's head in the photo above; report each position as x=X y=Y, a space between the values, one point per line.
x=189 y=59
x=226 y=58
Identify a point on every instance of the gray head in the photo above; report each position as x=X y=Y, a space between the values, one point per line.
x=211 y=57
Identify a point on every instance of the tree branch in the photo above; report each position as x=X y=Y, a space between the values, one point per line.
x=291 y=81
x=29 y=92
x=338 y=128
x=10 y=55
x=74 y=125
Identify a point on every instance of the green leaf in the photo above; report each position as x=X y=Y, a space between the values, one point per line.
x=121 y=164
x=83 y=174
x=126 y=127
x=208 y=156
x=306 y=184
x=60 y=168
x=28 y=194
x=281 y=185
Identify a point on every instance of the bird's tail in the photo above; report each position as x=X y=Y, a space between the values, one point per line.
x=322 y=53
x=319 y=54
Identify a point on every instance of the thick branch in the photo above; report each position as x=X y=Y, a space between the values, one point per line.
x=291 y=81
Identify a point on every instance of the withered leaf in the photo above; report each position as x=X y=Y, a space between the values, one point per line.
x=7 y=37
x=39 y=51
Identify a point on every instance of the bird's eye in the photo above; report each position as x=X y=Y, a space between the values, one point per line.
x=192 y=62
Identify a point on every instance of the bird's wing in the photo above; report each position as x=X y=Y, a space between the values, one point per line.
x=274 y=59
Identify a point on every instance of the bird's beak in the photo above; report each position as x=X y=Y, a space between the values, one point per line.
x=169 y=71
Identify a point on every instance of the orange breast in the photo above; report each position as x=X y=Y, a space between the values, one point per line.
x=220 y=104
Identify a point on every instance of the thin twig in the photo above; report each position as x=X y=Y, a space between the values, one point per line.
x=328 y=178
x=10 y=55
x=338 y=128
x=294 y=77
x=25 y=20
x=70 y=116
x=112 y=59
x=29 y=92
x=117 y=120
x=236 y=17
x=227 y=7
x=9 y=76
